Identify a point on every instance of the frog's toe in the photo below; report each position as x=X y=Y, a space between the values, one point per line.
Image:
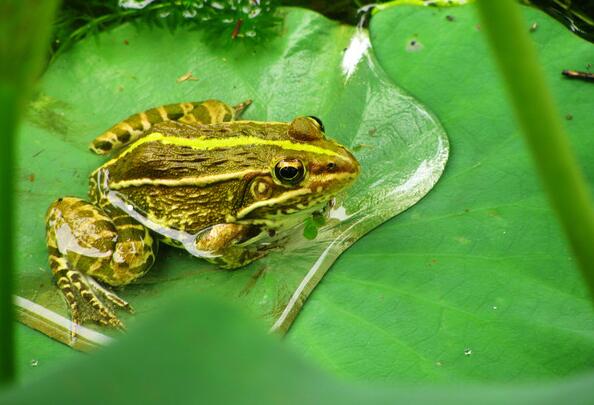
x=111 y=320
x=93 y=307
x=111 y=296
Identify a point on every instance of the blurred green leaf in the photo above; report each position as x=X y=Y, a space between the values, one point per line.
x=476 y=282
x=202 y=350
x=24 y=35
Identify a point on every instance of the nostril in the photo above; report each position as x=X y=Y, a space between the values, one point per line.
x=331 y=166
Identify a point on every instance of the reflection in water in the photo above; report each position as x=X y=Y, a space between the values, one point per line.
x=399 y=166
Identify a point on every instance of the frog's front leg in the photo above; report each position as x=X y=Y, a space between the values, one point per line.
x=135 y=126
x=232 y=245
x=87 y=244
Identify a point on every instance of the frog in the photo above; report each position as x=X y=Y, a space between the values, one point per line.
x=195 y=176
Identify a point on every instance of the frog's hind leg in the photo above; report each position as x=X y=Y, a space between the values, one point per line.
x=85 y=244
x=213 y=112
x=138 y=125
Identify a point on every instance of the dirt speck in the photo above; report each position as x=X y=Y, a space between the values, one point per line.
x=414 y=45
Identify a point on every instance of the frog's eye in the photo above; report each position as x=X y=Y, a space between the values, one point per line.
x=319 y=122
x=289 y=171
x=306 y=129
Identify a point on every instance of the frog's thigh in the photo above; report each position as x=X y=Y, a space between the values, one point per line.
x=134 y=251
x=230 y=244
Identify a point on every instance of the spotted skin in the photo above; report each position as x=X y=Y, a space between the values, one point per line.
x=135 y=126
x=85 y=243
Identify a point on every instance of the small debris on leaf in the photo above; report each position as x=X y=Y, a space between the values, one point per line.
x=568 y=117
x=126 y=42
x=31 y=177
x=576 y=74
x=237 y=28
x=361 y=146
x=186 y=77
x=533 y=27
x=414 y=46
x=450 y=17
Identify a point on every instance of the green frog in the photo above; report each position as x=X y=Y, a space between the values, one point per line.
x=193 y=176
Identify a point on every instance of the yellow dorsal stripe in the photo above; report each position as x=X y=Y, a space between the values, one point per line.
x=213 y=143
x=185 y=181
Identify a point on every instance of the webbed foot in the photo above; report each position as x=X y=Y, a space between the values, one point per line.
x=88 y=300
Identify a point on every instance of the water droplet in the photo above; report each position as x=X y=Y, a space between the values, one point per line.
x=533 y=27
x=250 y=33
x=438 y=363
x=494 y=307
x=467 y=352
x=134 y=4
x=255 y=12
x=34 y=363
x=189 y=13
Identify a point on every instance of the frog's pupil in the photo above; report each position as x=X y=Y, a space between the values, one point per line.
x=288 y=172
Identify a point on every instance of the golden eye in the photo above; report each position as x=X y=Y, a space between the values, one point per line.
x=289 y=171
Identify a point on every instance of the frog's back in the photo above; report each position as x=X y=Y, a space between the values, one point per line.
x=185 y=177
x=189 y=177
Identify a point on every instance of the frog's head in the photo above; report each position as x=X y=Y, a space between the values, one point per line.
x=304 y=173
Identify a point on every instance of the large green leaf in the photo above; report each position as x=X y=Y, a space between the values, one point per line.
x=476 y=282
x=401 y=147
